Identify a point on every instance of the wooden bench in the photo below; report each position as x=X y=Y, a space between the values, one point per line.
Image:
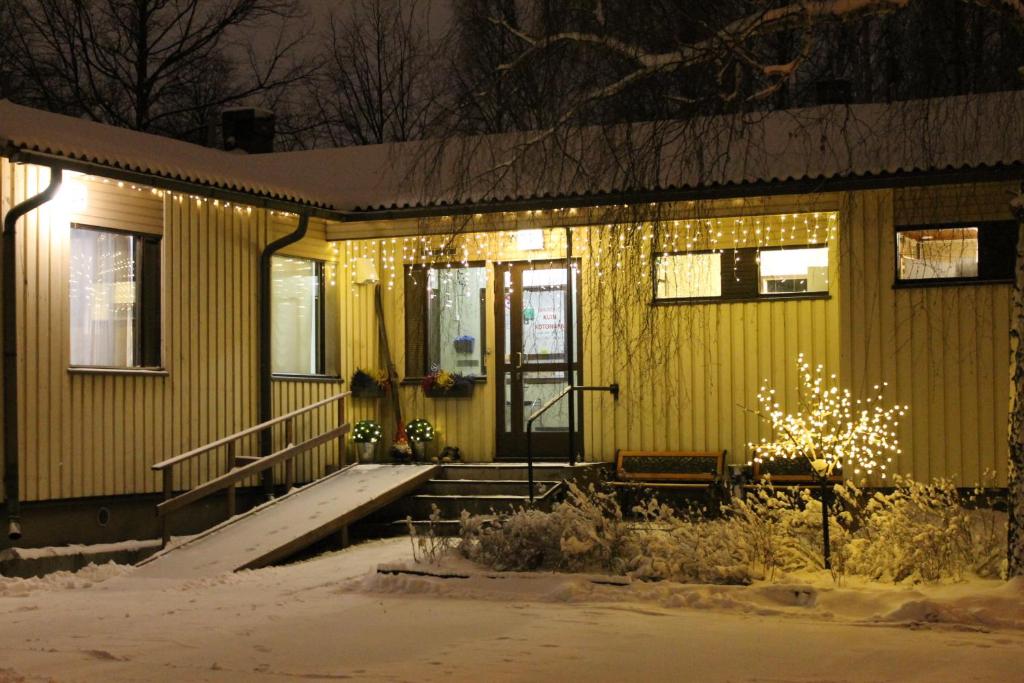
x=669 y=470
x=785 y=473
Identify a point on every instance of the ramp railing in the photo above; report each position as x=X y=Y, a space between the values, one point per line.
x=241 y=467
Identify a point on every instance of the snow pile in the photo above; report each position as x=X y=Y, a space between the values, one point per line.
x=83 y=578
x=918 y=532
x=978 y=604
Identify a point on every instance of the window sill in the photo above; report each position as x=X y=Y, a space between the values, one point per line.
x=134 y=372
x=327 y=379
x=949 y=282
x=417 y=381
x=718 y=300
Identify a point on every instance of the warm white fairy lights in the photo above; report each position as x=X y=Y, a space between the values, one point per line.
x=830 y=429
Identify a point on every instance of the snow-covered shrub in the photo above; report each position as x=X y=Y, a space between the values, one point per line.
x=926 y=532
x=918 y=532
x=685 y=549
x=776 y=529
x=585 y=532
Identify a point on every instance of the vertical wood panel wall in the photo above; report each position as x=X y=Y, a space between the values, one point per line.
x=943 y=350
x=98 y=434
x=693 y=396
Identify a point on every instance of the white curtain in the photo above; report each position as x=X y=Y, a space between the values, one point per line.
x=294 y=293
x=102 y=298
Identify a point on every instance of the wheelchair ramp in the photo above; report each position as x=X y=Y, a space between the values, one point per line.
x=285 y=525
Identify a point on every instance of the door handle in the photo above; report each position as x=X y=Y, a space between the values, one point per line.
x=519 y=360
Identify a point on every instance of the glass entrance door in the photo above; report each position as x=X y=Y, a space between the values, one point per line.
x=531 y=356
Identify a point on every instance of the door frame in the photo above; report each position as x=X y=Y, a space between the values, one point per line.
x=512 y=445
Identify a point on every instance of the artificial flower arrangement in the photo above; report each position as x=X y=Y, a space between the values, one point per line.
x=420 y=431
x=367 y=431
x=370 y=383
x=446 y=384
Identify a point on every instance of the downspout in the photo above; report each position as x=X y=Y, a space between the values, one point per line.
x=570 y=339
x=266 y=408
x=9 y=292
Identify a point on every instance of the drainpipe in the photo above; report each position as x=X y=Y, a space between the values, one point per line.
x=266 y=408
x=9 y=292
x=570 y=345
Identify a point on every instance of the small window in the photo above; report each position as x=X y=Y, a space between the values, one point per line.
x=980 y=252
x=793 y=271
x=304 y=319
x=444 y=319
x=114 y=297
x=688 y=276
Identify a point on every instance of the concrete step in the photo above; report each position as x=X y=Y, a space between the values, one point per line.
x=485 y=487
x=421 y=506
x=518 y=471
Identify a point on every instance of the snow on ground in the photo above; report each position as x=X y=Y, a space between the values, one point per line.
x=335 y=618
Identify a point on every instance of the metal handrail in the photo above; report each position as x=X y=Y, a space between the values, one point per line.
x=612 y=389
x=235 y=473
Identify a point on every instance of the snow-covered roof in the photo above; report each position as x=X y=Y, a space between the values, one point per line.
x=24 y=128
x=811 y=144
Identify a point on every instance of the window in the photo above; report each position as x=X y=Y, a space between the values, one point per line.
x=444 y=319
x=979 y=252
x=742 y=274
x=114 y=297
x=793 y=271
x=304 y=321
x=686 y=276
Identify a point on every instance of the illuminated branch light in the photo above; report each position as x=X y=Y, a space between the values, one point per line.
x=832 y=430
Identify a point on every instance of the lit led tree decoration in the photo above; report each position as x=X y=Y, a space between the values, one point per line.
x=830 y=429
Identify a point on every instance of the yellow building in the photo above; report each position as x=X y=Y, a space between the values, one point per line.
x=137 y=310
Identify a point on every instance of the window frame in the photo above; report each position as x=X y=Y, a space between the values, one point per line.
x=979 y=279
x=730 y=295
x=149 y=323
x=415 y=372
x=321 y=374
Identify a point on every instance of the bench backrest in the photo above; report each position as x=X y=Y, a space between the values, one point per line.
x=669 y=465
x=788 y=471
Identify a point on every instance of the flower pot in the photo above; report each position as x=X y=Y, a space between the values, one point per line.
x=365 y=451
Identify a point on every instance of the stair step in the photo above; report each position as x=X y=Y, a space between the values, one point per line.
x=518 y=471
x=483 y=487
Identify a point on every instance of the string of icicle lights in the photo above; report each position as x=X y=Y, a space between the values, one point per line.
x=603 y=247
x=604 y=250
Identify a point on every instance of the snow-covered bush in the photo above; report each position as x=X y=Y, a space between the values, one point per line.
x=685 y=549
x=917 y=532
x=927 y=532
x=586 y=532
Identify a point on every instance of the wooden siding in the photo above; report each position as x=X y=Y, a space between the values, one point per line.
x=85 y=434
x=943 y=350
x=692 y=396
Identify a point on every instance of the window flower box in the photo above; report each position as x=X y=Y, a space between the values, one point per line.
x=445 y=384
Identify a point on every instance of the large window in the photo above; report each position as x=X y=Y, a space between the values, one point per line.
x=305 y=338
x=444 y=319
x=979 y=252
x=742 y=274
x=114 y=289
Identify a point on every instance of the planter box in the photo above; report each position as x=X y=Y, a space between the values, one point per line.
x=368 y=392
x=460 y=390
